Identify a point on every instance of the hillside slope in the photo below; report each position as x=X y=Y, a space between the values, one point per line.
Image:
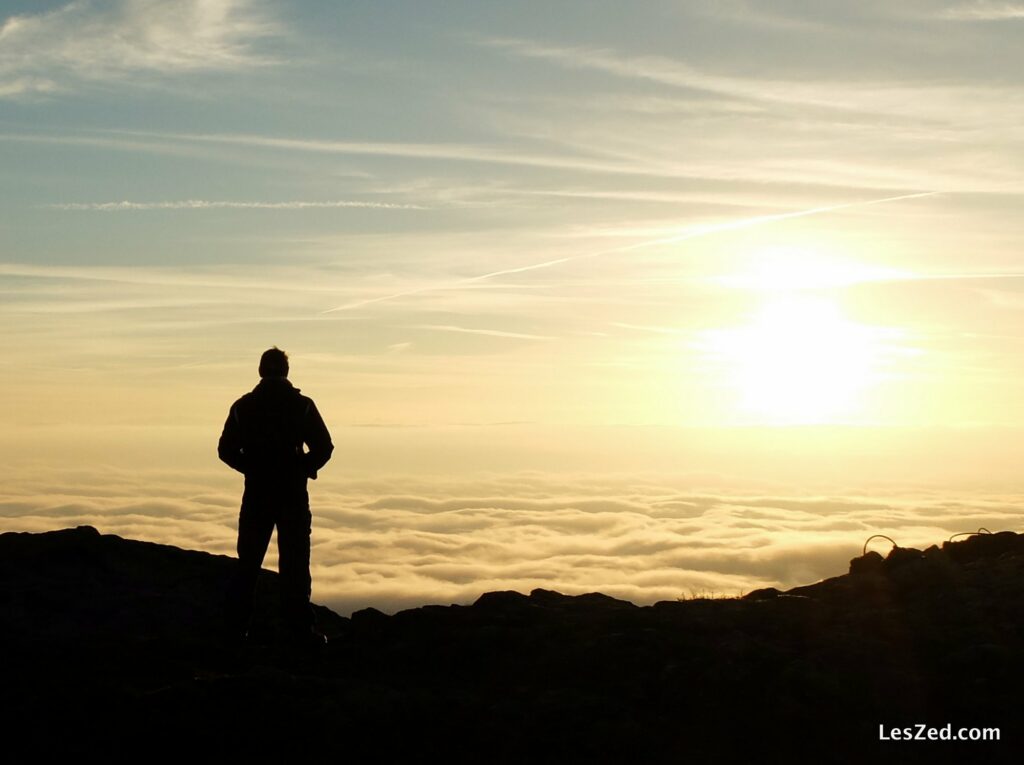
x=112 y=646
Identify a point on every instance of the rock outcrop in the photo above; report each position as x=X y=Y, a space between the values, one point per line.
x=113 y=645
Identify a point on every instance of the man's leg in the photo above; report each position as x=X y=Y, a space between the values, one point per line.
x=255 y=525
x=294 y=526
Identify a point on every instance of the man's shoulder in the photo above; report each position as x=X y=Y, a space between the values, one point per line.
x=248 y=404
x=308 y=405
x=242 y=400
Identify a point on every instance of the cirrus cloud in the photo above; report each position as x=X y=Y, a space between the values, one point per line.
x=226 y=204
x=92 y=40
x=984 y=11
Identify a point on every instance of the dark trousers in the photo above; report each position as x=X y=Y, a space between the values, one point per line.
x=266 y=504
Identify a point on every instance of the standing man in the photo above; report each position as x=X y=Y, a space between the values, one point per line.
x=264 y=439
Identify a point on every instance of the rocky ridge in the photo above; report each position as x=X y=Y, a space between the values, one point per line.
x=115 y=646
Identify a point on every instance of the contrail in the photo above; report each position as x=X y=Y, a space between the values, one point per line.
x=695 y=234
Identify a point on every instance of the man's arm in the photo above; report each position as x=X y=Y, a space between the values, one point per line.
x=318 y=440
x=229 y=448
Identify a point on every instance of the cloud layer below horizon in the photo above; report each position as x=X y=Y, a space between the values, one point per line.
x=401 y=542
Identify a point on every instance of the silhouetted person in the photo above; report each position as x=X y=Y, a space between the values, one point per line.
x=263 y=438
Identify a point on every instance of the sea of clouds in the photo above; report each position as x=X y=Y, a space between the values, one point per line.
x=395 y=542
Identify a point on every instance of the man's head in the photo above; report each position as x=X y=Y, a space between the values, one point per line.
x=274 y=363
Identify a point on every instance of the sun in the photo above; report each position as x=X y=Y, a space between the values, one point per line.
x=797 y=358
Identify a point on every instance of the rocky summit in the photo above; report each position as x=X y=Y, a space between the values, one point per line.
x=114 y=648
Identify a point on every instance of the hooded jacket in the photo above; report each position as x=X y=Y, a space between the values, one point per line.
x=266 y=429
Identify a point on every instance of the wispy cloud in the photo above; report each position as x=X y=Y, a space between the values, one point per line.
x=850 y=98
x=171 y=143
x=984 y=11
x=206 y=204
x=474 y=331
x=95 y=40
x=22 y=85
x=659 y=69
x=676 y=73
x=648 y=328
x=167 y=277
x=461 y=152
x=589 y=154
x=693 y=233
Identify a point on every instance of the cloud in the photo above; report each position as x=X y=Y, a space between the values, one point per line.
x=576 y=158
x=695 y=232
x=926 y=109
x=400 y=541
x=658 y=69
x=162 y=277
x=425 y=151
x=474 y=331
x=92 y=40
x=647 y=328
x=984 y=11
x=206 y=204
x=23 y=85
x=676 y=73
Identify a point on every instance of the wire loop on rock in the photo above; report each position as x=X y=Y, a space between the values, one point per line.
x=877 y=536
x=982 y=530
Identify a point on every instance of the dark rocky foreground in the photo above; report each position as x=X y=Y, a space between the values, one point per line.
x=111 y=648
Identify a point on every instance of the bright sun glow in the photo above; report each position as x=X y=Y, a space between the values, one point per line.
x=798 y=361
x=789 y=268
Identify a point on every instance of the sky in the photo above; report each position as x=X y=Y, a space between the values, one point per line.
x=654 y=299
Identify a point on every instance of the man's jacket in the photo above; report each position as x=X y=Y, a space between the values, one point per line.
x=266 y=429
